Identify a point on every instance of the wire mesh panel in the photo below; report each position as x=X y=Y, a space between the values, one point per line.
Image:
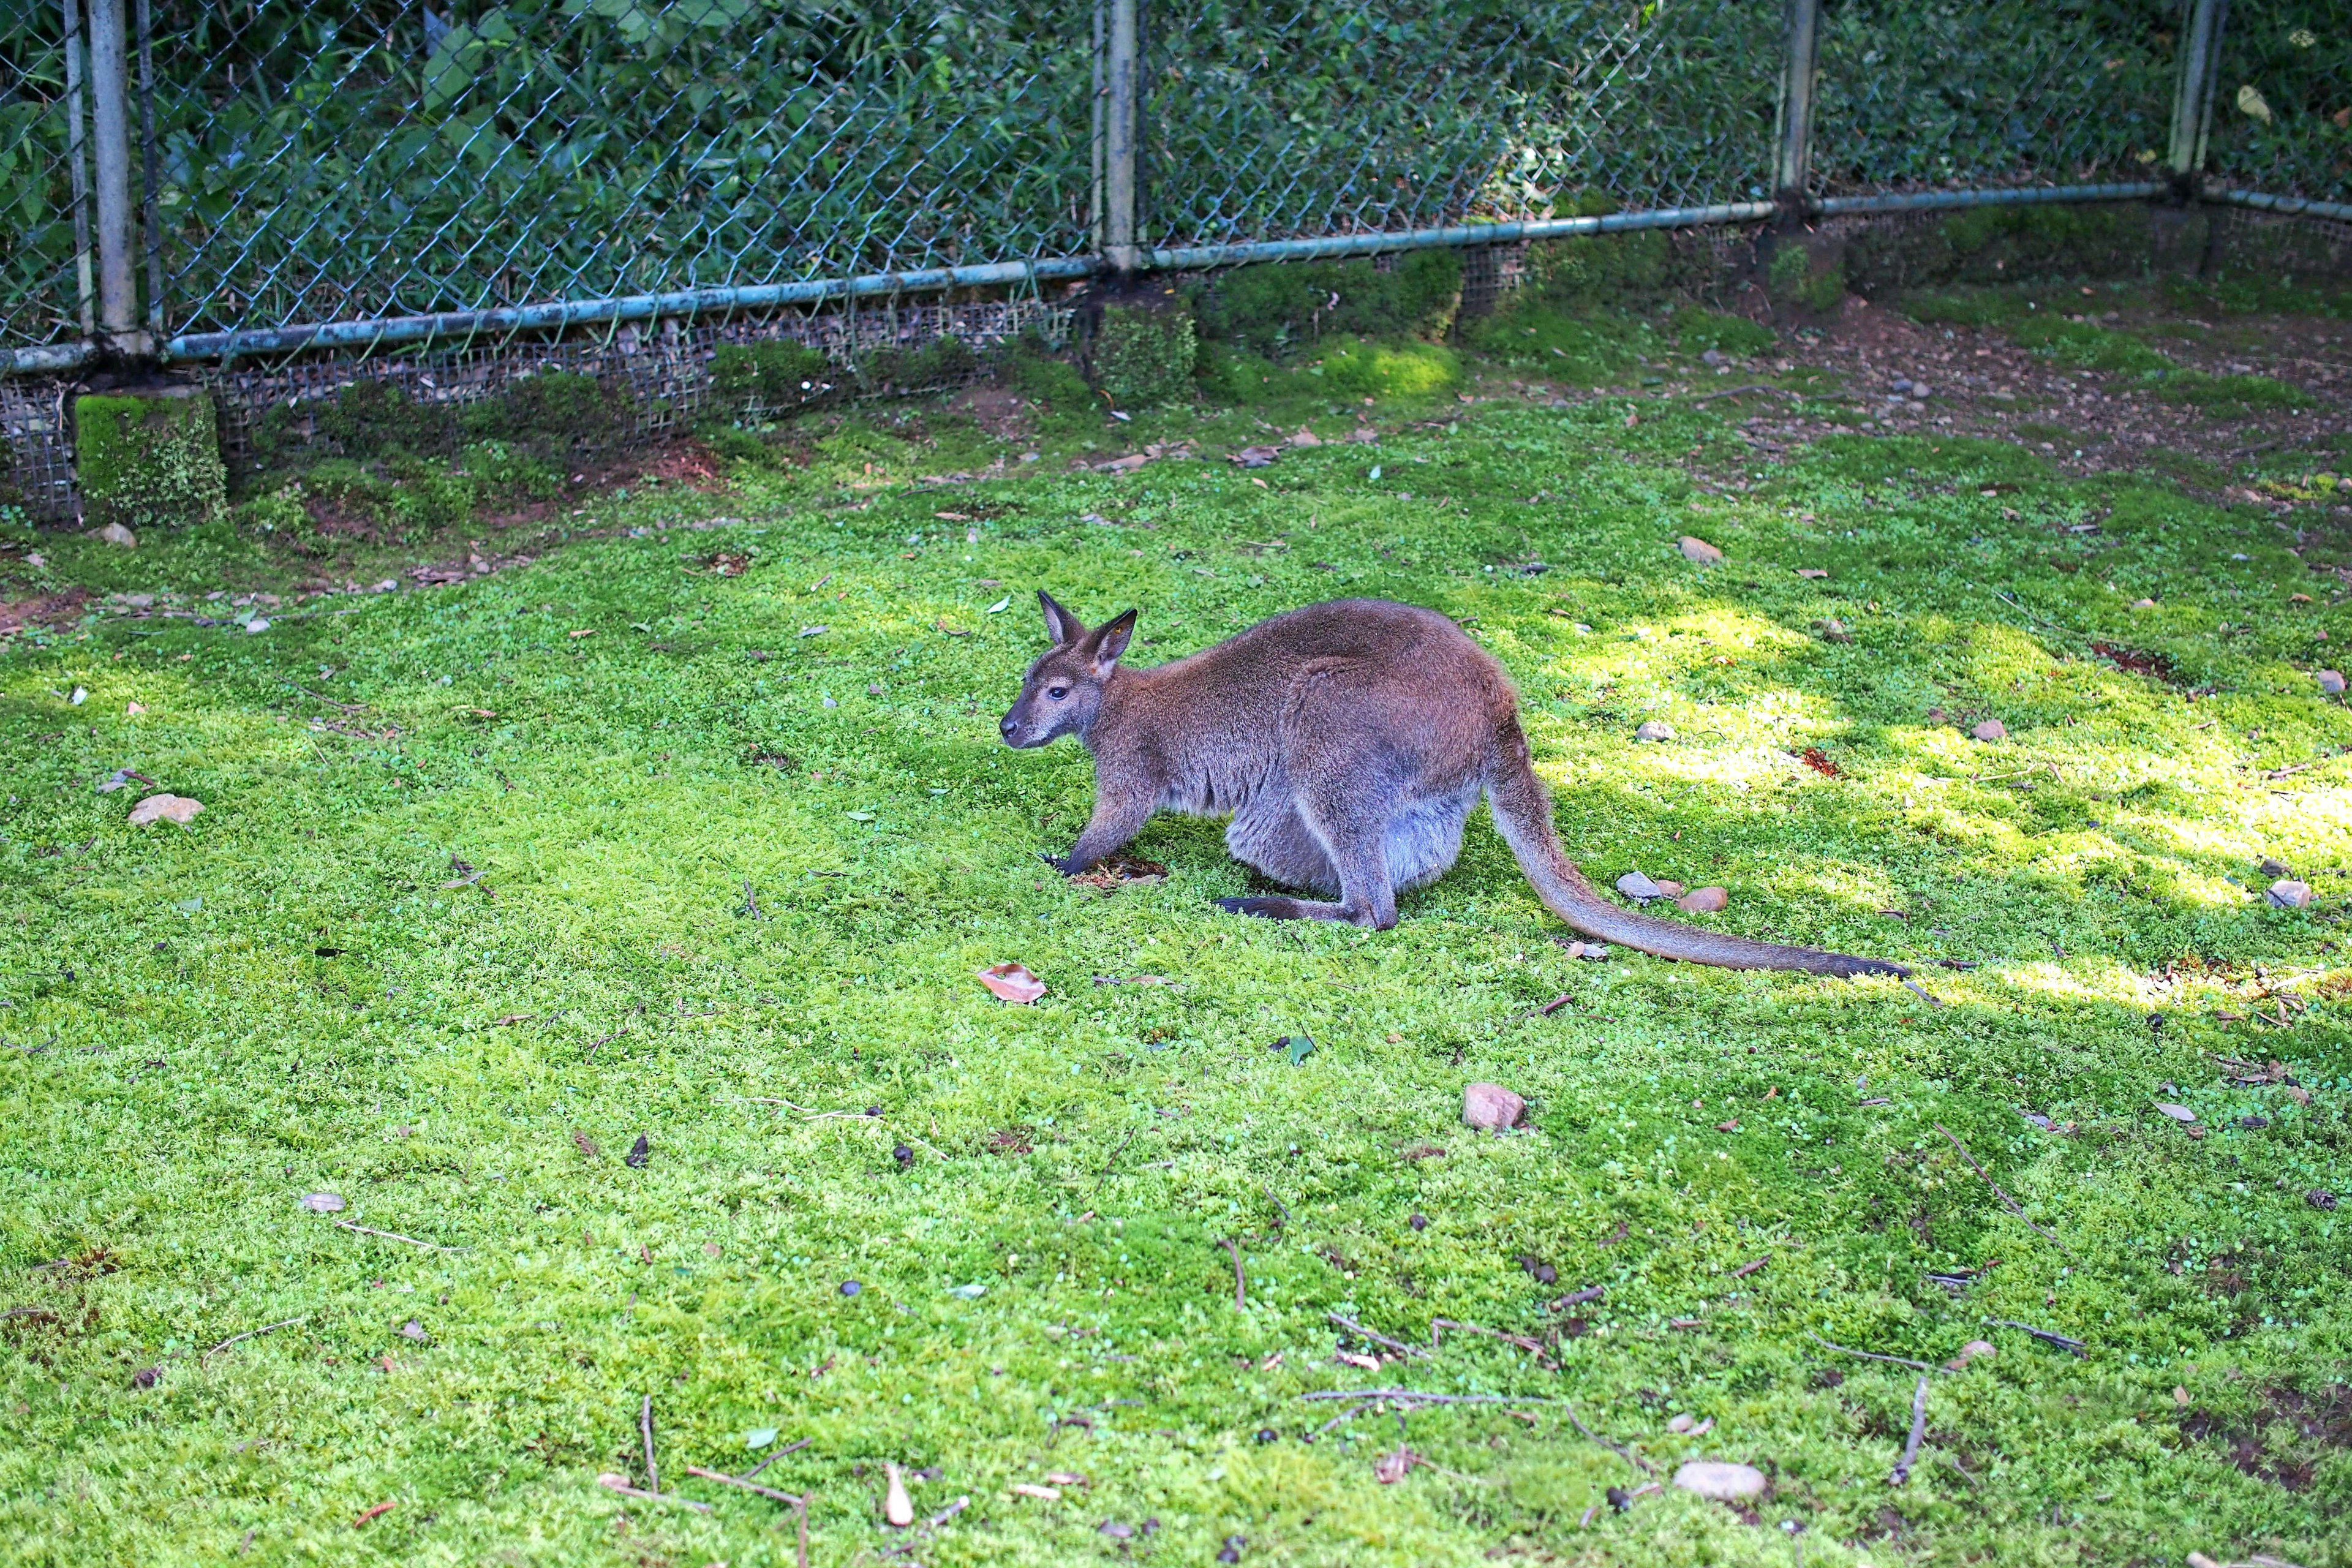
x=2004 y=92
x=1272 y=121
x=40 y=278
x=388 y=159
x=2282 y=114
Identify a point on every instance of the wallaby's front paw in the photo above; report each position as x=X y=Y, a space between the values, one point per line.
x=1061 y=864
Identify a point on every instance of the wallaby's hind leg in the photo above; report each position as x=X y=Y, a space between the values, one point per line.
x=1276 y=841
x=1358 y=851
x=1424 y=837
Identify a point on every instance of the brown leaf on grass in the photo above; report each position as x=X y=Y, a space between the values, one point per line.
x=1255 y=457
x=1030 y=1488
x=1011 y=1140
x=1119 y=870
x=586 y=1145
x=1391 y=1469
x=1423 y=1152
x=1818 y=761
x=378 y=1511
x=1698 y=550
x=1012 y=982
x=730 y=563
x=1303 y=436
x=177 y=808
x=951 y=631
x=1812 y=572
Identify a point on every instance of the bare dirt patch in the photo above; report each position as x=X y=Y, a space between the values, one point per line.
x=46 y=610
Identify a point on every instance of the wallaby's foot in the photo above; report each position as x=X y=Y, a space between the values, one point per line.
x=1066 y=865
x=1282 y=909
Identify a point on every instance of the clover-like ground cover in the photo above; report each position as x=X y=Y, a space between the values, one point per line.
x=478 y=901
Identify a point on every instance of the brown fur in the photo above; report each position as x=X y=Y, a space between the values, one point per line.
x=1349 y=742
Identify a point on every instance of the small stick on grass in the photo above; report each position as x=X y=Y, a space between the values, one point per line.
x=1241 y=1302
x=249 y=1333
x=740 y=1481
x=2047 y=1336
x=646 y=1426
x=1344 y=1416
x=1555 y=1004
x=1868 y=1355
x=787 y=1449
x=396 y=1235
x=1415 y=1396
x=1358 y=1330
x=613 y=1483
x=1627 y=1455
x=2009 y=1203
x=1521 y=1341
x=1918 y=1430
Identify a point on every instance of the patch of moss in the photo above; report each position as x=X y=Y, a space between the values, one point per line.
x=1585 y=272
x=1584 y=348
x=1356 y=368
x=946 y=361
x=1696 y=330
x=1273 y=306
x=149 y=461
x=1144 y=356
x=771 y=376
x=2003 y=244
x=369 y=418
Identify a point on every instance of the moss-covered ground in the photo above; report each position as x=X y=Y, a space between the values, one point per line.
x=603 y=933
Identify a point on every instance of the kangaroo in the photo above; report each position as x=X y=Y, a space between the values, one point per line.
x=1349 y=742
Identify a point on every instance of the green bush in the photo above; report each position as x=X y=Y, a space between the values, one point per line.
x=775 y=375
x=1232 y=375
x=1033 y=370
x=945 y=361
x=1270 y=307
x=2003 y=244
x=1142 y=355
x=1798 y=279
x=1356 y=368
x=1696 y=330
x=553 y=412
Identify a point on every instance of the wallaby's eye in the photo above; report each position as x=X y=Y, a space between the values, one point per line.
x=1057 y=692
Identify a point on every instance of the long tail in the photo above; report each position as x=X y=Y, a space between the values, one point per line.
x=1523 y=814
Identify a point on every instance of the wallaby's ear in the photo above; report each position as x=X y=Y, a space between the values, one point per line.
x=1064 y=627
x=1110 y=641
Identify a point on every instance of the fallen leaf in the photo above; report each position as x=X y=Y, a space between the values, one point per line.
x=1391 y=1469
x=1303 y=436
x=1990 y=729
x=1703 y=900
x=814 y=631
x=1587 y=949
x=1030 y=1488
x=1013 y=982
x=583 y=632
x=1833 y=629
x=1068 y=1478
x=897 y=1508
x=2178 y=1113
x=1968 y=1352
x=1813 y=572
x=1727 y=1127
x=1001 y=606
x=1254 y=457
x=322 y=1202
x=1818 y=761
x=586 y=1145
x=1125 y=465
x=115 y=533
x=1121 y=869
x=1115 y=1530
x=1491 y=1107
x=1698 y=550
x=2251 y=104
x=1297 y=1047
x=759 y=1437
x=639 y=1152
x=1369 y=1362
x=132 y=709
x=177 y=808
x=120 y=778
x=379 y=1510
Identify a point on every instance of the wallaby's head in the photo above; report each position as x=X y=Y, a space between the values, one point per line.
x=1064 y=687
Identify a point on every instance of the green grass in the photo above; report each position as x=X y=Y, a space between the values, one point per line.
x=301 y=992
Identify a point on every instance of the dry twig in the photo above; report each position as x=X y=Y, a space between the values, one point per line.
x=1240 y=1283
x=396 y=1235
x=1625 y=1454
x=646 y=1426
x=1360 y=1332
x=1918 y=1430
x=2009 y=1203
x=249 y=1333
x=1868 y=1355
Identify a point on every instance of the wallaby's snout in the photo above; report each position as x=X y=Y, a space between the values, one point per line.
x=1064 y=689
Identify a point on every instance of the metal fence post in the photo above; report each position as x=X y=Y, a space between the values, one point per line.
x=1792 y=170
x=2192 y=99
x=110 y=125
x=77 y=157
x=1122 y=82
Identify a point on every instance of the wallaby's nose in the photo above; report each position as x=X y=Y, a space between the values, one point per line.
x=1004 y=725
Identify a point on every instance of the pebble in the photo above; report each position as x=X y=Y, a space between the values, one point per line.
x=2331 y=681
x=115 y=533
x=1489 y=1107
x=1655 y=729
x=1703 y=900
x=322 y=1202
x=1634 y=885
x=1720 y=1481
x=1990 y=729
x=1698 y=550
x=2286 y=894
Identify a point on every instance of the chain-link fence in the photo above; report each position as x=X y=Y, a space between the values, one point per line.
x=377 y=172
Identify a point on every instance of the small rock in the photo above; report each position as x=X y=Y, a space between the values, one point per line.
x=1712 y=356
x=1937 y=716
x=897 y=1508
x=322 y=1202
x=639 y=1152
x=2285 y=894
x=1698 y=550
x=1587 y=949
x=1721 y=1481
x=1634 y=885
x=904 y=1155
x=1542 y=1273
x=1419 y=1222
x=177 y=808
x=413 y=1330
x=1490 y=1106
x=1833 y=629
x=851 y=1288
x=2178 y=1113
x=116 y=534
x=1115 y=1530
x=2330 y=682
x=1990 y=729
x=1655 y=729
x=258 y=624
x=2143 y=604
x=1703 y=900
x=146 y=1377
x=1921 y=392
x=1968 y=1352
x=2270 y=868
x=1688 y=1426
